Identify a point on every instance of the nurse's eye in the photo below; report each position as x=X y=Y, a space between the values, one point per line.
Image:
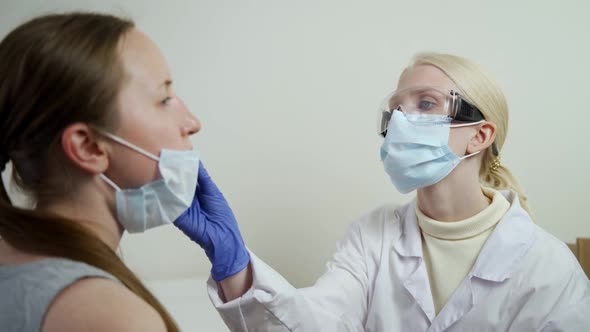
x=426 y=105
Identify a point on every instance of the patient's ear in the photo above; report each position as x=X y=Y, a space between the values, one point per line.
x=84 y=148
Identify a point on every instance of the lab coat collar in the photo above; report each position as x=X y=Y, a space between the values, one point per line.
x=513 y=237
x=409 y=243
x=498 y=259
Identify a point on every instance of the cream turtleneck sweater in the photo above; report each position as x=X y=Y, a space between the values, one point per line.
x=451 y=248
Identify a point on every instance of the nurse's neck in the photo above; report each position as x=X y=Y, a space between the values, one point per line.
x=452 y=199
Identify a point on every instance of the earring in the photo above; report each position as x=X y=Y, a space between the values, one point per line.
x=495 y=164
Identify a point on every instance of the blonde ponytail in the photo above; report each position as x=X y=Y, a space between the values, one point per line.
x=499 y=177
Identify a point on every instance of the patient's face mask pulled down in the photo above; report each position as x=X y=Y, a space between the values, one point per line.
x=416 y=152
x=161 y=201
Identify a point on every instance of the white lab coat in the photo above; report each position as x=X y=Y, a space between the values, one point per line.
x=524 y=279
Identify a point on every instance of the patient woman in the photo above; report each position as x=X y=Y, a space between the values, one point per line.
x=97 y=136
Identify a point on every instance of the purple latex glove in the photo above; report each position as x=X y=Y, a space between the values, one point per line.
x=210 y=222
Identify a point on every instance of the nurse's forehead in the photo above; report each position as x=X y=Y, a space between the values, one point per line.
x=424 y=75
x=142 y=60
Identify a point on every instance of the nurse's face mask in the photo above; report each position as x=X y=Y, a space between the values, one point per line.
x=416 y=124
x=161 y=201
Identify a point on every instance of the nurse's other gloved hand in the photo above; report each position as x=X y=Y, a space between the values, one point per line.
x=210 y=222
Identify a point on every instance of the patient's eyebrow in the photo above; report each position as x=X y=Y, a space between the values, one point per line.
x=167 y=83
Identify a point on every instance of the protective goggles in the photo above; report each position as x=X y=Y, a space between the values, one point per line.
x=427 y=105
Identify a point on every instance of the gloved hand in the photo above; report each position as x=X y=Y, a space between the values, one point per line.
x=210 y=222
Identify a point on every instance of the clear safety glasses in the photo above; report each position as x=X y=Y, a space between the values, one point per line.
x=427 y=105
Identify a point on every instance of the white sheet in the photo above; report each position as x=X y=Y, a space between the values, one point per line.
x=188 y=303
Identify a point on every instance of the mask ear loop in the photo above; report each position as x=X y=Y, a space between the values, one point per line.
x=469 y=155
x=109 y=182
x=496 y=162
x=466 y=125
x=129 y=145
x=473 y=110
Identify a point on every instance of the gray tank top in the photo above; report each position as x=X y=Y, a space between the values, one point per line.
x=27 y=290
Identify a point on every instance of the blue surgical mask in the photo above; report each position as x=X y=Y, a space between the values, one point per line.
x=161 y=201
x=418 y=155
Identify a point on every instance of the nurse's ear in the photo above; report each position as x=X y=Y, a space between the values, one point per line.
x=483 y=138
x=84 y=148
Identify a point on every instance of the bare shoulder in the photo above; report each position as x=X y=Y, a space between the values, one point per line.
x=97 y=304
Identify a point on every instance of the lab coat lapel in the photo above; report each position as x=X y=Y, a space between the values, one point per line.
x=460 y=303
x=412 y=271
x=512 y=238
x=497 y=261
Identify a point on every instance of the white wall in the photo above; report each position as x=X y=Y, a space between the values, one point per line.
x=287 y=93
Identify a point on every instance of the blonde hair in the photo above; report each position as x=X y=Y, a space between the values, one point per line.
x=483 y=92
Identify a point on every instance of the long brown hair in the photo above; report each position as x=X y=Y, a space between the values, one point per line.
x=56 y=70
